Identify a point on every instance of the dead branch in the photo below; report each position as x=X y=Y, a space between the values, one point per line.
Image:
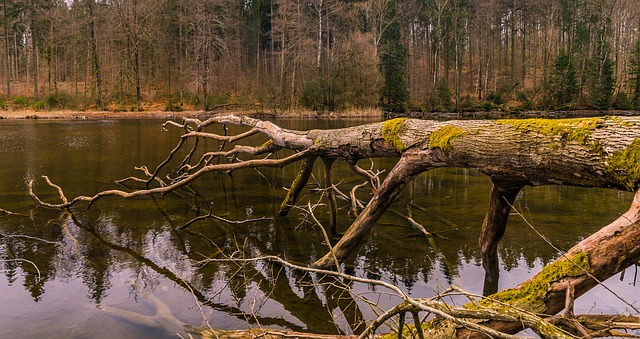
x=166 y=189
x=372 y=178
x=298 y=184
x=458 y=315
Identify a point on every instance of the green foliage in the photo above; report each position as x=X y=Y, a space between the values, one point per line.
x=20 y=101
x=601 y=82
x=52 y=101
x=171 y=107
x=486 y=106
x=467 y=103
x=39 y=105
x=394 y=93
x=441 y=100
x=3 y=104
x=562 y=87
x=218 y=99
x=60 y=100
x=622 y=101
x=495 y=98
x=323 y=94
x=526 y=102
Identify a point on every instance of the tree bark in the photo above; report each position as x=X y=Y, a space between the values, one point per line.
x=493 y=227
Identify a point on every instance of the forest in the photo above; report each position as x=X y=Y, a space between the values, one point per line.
x=322 y=55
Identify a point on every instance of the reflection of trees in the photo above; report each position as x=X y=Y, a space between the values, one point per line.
x=136 y=235
x=36 y=246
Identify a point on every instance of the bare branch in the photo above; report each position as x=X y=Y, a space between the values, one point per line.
x=166 y=189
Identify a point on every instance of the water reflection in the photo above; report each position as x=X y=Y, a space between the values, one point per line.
x=125 y=256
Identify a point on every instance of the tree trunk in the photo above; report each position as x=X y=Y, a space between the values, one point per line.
x=6 y=50
x=97 y=72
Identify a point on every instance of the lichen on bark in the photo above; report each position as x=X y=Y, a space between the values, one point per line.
x=390 y=133
x=624 y=166
x=444 y=137
x=577 y=130
x=531 y=294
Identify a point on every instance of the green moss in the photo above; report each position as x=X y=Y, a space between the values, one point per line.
x=532 y=293
x=571 y=130
x=390 y=130
x=624 y=166
x=443 y=137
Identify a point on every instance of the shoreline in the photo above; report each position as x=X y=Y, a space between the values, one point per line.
x=100 y=115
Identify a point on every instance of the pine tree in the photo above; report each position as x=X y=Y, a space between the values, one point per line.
x=600 y=78
x=393 y=62
x=562 y=87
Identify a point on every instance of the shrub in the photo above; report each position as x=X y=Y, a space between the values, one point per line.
x=486 y=106
x=52 y=101
x=39 y=105
x=622 y=101
x=171 y=107
x=20 y=101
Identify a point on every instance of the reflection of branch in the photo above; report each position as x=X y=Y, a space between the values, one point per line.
x=212 y=216
x=201 y=297
x=27 y=261
x=455 y=315
x=3 y=211
x=22 y=236
x=324 y=234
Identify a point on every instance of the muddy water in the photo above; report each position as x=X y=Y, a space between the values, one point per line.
x=119 y=269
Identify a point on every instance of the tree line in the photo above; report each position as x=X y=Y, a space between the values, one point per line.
x=326 y=55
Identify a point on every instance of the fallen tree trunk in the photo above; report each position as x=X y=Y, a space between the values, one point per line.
x=591 y=152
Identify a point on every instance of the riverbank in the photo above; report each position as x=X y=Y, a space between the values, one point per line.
x=304 y=114
x=71 y=115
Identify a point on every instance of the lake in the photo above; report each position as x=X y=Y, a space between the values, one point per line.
x=120 y=269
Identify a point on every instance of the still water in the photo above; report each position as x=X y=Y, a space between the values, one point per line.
x=119 y=269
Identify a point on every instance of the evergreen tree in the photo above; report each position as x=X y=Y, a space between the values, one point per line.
x=600 y=78
x=393 y=62
x=562 y=87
